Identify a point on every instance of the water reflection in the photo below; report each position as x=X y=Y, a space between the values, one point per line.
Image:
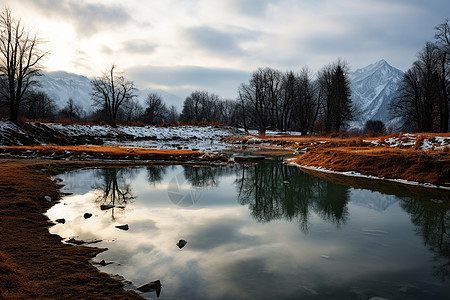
x=243 y=237
x=274 y=191
x=433 y=224
x=113 y=189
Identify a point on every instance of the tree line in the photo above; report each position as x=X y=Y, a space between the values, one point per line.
x=423 y=101
x=270 y=100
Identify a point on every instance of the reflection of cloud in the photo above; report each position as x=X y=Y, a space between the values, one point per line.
x=88 y=18
x=144 y=226
x=219 y=232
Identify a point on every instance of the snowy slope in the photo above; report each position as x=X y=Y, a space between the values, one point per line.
x=61 y=86
x=373 y=88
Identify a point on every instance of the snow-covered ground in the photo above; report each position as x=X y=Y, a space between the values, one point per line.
x=202 y=138
x=408 y=140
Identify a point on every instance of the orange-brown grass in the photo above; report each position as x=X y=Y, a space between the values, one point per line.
x=34 y=263
x=409 y=164
x=349 y=153
x=107 y=152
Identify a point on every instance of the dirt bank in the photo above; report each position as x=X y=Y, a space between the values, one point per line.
x=417 y=166
x=423 y=158
x=86 y=152
x=33 y=263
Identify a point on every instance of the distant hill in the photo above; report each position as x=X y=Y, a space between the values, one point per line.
x=373 y=88
x=60 y=86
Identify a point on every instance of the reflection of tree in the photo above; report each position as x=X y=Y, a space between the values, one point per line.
x=155 y=174
x=274 y=191
x=433 y=224
x=114 y=189
x=204 y=177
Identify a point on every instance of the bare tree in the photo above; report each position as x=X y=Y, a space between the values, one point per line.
x=418 y=101
x=155 y=111
x=172 y=114
x=132 y=111
x=253 y=97
x=38 y=106
x=71 y=111
x=201 y=106
x=20 y=62
x=110 y=92
x=442 y=37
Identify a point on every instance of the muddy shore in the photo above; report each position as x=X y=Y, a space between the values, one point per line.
x=35 y=264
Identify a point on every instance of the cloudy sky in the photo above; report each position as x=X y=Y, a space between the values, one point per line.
x=214 y=45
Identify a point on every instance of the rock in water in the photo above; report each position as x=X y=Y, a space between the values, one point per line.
x=62 y=220
x=87 y=215
x=48 y=198
x=106 y=206
x=151 y=286
x=123 y=227
x=181 y=243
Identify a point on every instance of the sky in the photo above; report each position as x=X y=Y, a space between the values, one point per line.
x=183 y=45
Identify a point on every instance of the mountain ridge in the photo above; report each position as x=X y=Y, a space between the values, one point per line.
x=372 y=89
x=62 y=86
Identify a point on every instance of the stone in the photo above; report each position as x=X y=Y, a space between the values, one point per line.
x=151 y=286
x=123 y=227
x=48 y=198
x=87 y=215
x=62 y=220
x=106 y=206
x=181 y=243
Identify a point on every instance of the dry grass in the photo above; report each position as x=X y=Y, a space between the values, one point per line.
x=349 y=153
x=33 y=263
x=104 y=152
x=409 y=164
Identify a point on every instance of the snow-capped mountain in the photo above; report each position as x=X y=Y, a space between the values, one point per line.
x=61 y=86
x=373 y=88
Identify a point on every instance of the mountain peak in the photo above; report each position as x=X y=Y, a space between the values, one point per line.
x=381 y=63
x=373 y=87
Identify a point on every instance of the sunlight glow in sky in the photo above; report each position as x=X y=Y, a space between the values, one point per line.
x=181 y=45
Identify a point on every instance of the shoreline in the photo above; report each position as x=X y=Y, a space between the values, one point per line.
x=35 y=264
x=28 y=251
x=359 y=175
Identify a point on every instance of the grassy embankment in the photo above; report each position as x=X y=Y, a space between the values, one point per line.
x=35 y=264
x=374 y=156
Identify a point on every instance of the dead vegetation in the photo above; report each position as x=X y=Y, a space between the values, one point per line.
x=35 y=264
x=422 y=158
x=87 y=152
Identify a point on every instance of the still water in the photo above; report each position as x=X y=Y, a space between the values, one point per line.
x=267 y=231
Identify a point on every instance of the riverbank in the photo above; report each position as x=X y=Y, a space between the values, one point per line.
x=409 y=158
x=35 y=264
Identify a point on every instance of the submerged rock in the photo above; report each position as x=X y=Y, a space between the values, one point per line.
x=104 y=263
x=181 y=243
x=123 y=227
x=62 y=220
x=106 y=206
x=151 y=286
x=87 y=215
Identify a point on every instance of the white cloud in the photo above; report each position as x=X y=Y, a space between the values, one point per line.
x=228 y=34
